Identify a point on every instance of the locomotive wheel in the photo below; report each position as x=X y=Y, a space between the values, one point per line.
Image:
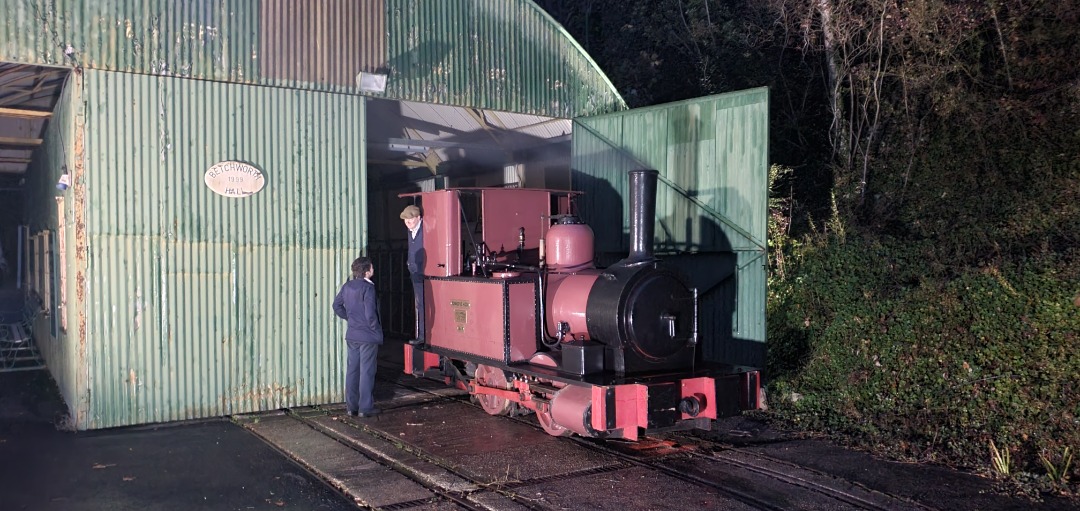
x=543 y=413
x=488 y=376
x=549 y=424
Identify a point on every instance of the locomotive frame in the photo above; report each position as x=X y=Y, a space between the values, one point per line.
x=604 y=353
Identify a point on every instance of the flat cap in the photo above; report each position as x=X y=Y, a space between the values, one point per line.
x=410 y=212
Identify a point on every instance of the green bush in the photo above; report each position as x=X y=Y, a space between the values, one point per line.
x=869 y=340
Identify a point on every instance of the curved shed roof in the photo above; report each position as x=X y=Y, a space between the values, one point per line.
x=492 y=54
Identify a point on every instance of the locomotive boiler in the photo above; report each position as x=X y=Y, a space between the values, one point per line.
x=518 y=314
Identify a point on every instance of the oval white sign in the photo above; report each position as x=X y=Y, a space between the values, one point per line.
x=234 y=179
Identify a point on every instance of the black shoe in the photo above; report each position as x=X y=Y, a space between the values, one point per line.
x=352 y=413
x=371 y=413
x=416 y=342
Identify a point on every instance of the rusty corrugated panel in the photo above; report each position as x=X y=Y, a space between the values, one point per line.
x=203 y=305
x=712 y=154
x=326 y=42
x=494 y=54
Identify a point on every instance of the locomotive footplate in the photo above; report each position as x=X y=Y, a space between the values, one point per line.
x=597 y=405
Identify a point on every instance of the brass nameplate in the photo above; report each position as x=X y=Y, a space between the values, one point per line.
x=461 y=313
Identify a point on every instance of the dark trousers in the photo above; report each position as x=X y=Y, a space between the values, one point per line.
x=360 y=377
x=418 y=294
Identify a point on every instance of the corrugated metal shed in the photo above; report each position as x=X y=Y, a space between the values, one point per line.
x=497 y=54
x=712 y=154
x=184 y=303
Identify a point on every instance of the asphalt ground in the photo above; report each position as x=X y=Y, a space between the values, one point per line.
x=207 y=465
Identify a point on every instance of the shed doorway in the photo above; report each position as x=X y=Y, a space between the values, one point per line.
x=28 y=96
x=413 y=147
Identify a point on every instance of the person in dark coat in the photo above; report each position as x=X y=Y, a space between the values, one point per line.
x=417 y=256
x=357 y=304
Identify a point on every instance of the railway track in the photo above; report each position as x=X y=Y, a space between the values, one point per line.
x=434 y=449
x=742 y=475
x=806 y=478
x=372 y=470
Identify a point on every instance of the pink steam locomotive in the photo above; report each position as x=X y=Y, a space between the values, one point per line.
x=518 y=314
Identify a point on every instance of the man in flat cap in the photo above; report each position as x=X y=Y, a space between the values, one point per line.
x=412 y=217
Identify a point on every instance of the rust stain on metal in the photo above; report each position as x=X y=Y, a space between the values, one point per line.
x=273 y=392
x=138 y=308
x=82 y=385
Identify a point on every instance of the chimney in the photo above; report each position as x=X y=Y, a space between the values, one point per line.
x=642 y=215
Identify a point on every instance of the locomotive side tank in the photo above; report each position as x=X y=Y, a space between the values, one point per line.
x=520 y=317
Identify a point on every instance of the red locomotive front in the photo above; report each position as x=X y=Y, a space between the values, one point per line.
x=518 y=315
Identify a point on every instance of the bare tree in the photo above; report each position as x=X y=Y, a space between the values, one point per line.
x=885 y=63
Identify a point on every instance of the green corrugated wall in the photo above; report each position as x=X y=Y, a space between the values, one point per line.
x=60 y=344
x=494 y=54
x=712 y=154
x=497 y=54
x=201 y=305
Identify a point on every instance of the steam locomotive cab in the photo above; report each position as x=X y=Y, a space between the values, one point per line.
x=518 y=315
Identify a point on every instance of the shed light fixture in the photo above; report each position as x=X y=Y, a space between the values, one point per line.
x=64 y=182
x=407 y=148
x=371 y=82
